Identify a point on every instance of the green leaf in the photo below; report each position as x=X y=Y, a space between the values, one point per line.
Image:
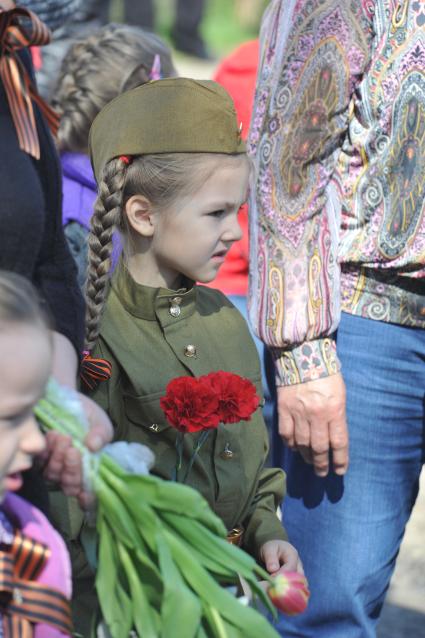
x=112 y=507
x=167 y=496
x=89 y=538
x=145 y=618
x=112 y=589
x=144 y=519
x=53 y=418
x=220 y=557
x=215 y=622
x=146 y=566
x=214 y=547
x=201 y=633
x=250 y=622
x=180 y=609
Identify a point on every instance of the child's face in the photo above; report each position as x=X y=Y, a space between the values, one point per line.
x=194 y=235
x=25 y=364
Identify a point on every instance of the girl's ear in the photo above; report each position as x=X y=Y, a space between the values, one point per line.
x=140 y=214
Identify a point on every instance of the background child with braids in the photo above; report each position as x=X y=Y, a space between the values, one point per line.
x=172 y=174
x=113 y=59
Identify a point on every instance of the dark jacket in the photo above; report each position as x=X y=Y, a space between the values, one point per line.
x=32 y=241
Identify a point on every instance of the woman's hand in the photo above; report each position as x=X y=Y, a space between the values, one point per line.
x=63 y=461
x=312 y=420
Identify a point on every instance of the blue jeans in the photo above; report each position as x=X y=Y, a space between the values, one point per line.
x=348 y=530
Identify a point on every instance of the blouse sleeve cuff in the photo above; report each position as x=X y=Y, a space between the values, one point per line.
x=307 y=362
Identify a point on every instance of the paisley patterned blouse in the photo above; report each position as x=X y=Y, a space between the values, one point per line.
x=337 y=197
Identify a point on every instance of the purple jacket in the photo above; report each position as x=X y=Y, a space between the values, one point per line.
x=79 y=189
x=79 y=194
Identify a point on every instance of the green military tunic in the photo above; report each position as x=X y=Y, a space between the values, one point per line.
x=153 y=335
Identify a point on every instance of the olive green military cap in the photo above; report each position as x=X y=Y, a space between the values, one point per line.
x=175 y=115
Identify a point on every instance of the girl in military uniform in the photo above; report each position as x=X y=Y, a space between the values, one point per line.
x=172 y=173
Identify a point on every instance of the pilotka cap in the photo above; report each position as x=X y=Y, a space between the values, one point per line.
x=174 y=115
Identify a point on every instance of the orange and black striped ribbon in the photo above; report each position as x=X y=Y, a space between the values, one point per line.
x=25 y=602
x=20 y=90
x=93 y=371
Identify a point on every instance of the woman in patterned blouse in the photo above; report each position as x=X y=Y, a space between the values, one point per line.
x=338 y=286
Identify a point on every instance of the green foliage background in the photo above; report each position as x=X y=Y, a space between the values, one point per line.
x=221 y=28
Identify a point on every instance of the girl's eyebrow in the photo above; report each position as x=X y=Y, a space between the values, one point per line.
x=224 y=205
x=20 y=409
x=219 y=205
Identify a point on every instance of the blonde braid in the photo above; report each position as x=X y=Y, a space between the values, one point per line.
x=106 y=217
x=96 y=69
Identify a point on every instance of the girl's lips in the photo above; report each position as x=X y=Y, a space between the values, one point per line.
x=13 y=482
x=220 y=255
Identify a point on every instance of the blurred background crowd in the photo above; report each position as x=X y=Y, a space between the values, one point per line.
x=205 y=30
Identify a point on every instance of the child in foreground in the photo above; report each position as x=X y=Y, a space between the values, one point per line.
x=35 y=568
x=172 y=174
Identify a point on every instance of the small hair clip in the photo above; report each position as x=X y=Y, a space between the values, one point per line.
x=127 y=159
x=155 y=73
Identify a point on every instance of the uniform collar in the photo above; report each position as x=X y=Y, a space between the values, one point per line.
x=150 y=303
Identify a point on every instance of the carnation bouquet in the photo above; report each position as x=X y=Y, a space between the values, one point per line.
x=199 y=404
x=162 y=555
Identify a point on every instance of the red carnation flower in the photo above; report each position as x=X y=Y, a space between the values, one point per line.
x=237 y=397
x=190 y=405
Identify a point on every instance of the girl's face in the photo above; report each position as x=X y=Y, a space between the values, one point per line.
x=25 y=364
x=193 y=236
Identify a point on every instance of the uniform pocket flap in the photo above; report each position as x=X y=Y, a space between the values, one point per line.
x=145 y=411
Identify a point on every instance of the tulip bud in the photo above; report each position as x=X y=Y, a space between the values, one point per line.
x=289 y=593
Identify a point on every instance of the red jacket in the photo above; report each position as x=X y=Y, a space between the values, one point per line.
x=237 y=73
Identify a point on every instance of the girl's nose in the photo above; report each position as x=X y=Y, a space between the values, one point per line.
x=233 y=230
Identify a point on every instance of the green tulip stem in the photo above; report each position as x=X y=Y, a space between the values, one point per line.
x=179 y=460
x=199 y=443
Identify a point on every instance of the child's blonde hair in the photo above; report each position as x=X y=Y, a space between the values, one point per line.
x=19 y=302
x=160 y=178
x=114 y=59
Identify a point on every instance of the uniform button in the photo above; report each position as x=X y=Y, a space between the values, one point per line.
x=190 y=350
x=227 y=453
x=175 y=309
x=154 y=427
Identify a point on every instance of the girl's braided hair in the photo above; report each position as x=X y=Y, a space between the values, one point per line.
x=116 y=58
x=106 y=218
